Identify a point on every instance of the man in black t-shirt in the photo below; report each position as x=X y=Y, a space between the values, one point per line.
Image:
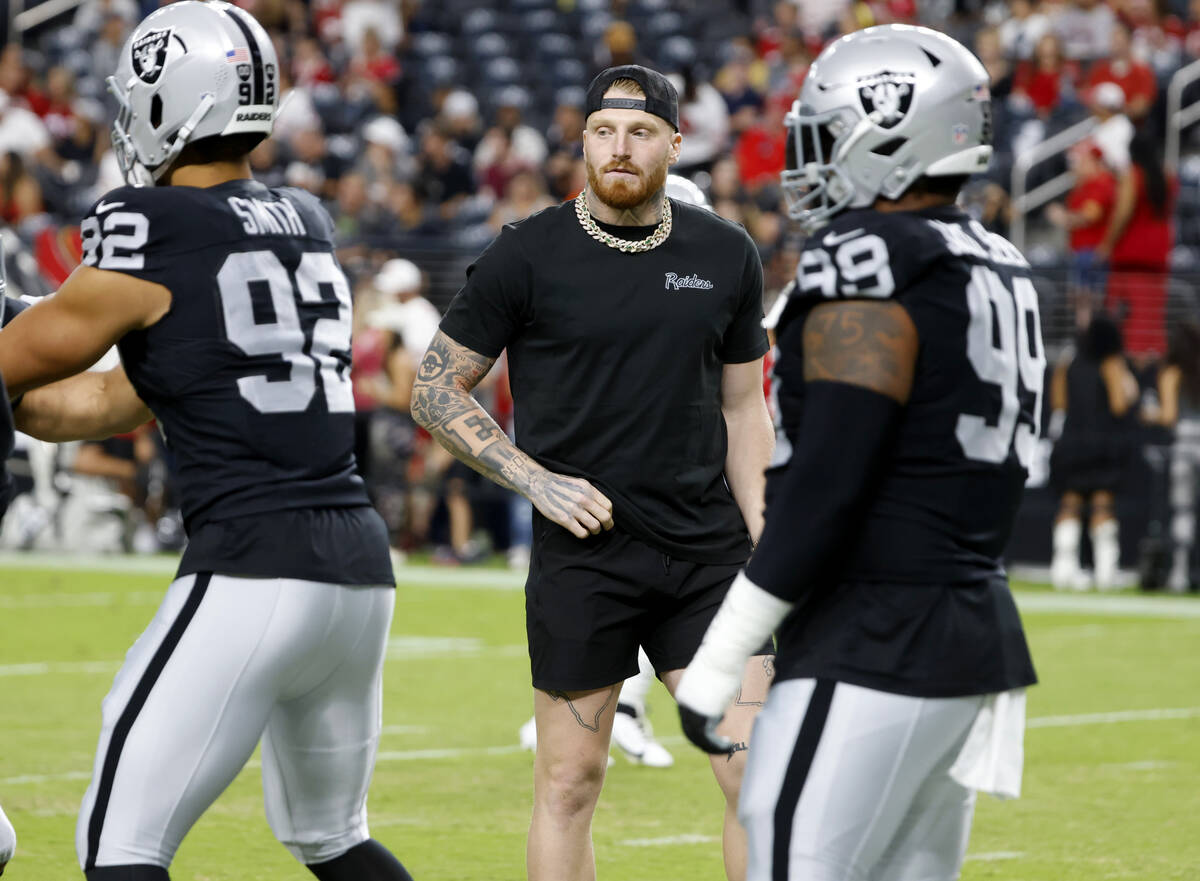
x=908 y=383
x=633 y=325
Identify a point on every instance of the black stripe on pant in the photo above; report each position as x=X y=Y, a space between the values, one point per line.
x=137 y=700
x=797 y=773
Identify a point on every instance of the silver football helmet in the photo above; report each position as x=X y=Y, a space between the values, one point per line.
x=190 y=70
x=880 y=108
x=681 y=189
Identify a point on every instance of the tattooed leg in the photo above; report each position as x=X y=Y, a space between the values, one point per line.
x=574 y=729
x=594 y=725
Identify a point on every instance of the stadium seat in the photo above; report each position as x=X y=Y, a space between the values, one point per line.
x=430 y=43
x=676 y=53
x=570 y=72
x=501 y=71
x=551 y=47
x=490 y=45
x=480 y=21
x=537 y=23
x=593 y=26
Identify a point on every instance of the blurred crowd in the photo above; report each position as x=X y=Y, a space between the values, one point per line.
x=426 y=125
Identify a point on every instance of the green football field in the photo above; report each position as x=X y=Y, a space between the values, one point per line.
x=1112 y=773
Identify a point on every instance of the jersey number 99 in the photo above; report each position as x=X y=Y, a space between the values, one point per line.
x=326 y=351
x=1004 y=345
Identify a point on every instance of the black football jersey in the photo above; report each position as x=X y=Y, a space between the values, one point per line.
x=931 y=539
x=9 y=309
x=248 y=373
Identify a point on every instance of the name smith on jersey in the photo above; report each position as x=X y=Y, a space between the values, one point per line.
x=263 y=218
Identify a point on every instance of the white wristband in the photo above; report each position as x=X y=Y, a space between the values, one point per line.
x=746 y=618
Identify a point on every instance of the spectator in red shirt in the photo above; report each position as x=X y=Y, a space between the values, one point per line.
x=1086 y=217
x=1137 y=245
x=1135 y=78
x=1046 y=80
x=760 y=149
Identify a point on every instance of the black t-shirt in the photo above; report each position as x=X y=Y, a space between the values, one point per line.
x=616 y=361
x=922 y=604
x=248 y=373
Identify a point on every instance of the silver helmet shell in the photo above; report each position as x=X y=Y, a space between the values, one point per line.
x=190 y=70
x=879 y=109
x=681 y=189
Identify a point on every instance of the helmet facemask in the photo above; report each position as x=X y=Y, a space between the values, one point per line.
x=814 y=187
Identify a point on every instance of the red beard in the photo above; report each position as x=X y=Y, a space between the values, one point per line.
x=623 y=193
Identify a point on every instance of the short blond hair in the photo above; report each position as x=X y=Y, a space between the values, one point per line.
x=626 y=86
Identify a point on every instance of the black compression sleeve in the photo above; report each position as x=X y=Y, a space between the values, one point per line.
x=843 y=440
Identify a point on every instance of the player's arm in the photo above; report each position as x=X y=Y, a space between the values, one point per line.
x=751 y=439
x=859 y=360
x=1168 y=395
x=442 y=404
x=69 y=331
x=1119 y=384
x=90 y=406
x=1058 y=398
x=1122 y=212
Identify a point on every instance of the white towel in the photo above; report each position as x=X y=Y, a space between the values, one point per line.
x=993 y=755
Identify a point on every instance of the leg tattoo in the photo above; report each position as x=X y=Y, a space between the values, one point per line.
x=595 y=726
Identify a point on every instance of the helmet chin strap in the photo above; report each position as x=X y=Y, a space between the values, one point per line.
x=184 y=133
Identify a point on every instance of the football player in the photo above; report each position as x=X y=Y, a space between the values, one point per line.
x=232 y=317
x=8 y=835
x=908 y=383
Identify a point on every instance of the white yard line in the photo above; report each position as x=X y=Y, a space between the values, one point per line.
x=1112 y=718
x=669 y=840
x=417 y=576
x=412 y=755
x=466 y=578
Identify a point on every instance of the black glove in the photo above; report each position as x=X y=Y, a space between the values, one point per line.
x=702 y=731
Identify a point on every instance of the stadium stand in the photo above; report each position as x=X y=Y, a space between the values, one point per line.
x=426 y=124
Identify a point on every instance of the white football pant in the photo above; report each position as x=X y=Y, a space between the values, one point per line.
x=225 y=662
x=845 y=783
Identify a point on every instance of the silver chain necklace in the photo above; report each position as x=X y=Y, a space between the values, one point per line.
x=593 y=229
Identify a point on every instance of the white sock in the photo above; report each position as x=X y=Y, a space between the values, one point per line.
x=636 y=687
x=1065 y=567
x=1106 y=554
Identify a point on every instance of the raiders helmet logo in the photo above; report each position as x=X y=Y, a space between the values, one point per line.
x=243 y=72
x=150 y=54
x=887 y=95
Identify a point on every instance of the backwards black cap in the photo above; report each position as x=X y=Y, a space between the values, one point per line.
x=661 y=98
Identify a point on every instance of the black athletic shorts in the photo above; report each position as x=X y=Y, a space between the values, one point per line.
x=589 y=604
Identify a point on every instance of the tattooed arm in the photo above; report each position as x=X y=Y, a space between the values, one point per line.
x=443 y=405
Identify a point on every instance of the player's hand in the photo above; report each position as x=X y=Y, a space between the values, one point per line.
x=702 y=731
x=572 y=503
x=703 y=695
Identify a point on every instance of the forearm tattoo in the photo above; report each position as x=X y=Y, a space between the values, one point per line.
x=443 y=405
x=594 y=725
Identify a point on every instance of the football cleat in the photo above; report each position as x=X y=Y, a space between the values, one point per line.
x=633 y=735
